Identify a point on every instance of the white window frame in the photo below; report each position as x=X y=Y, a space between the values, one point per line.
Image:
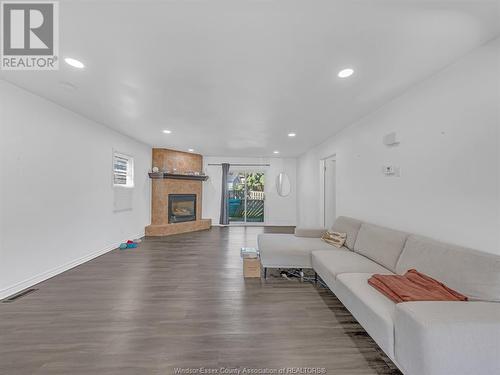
x=130 y=170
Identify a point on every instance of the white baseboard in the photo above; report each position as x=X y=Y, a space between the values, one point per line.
x=13 y=289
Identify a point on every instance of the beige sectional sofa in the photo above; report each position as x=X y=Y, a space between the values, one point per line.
x=421 y=338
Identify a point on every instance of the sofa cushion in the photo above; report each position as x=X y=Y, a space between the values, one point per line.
x=329 y=264
x=372 y=310
x=470 y=272
x=309 y=232
x=349 y=226
x=288 y=250
x=382 y=245
x=435 y=338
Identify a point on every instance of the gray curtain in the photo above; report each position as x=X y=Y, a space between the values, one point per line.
x=224 y=200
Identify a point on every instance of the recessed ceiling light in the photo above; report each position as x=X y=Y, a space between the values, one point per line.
x=292 y=134
x=167 y=131
x=74 y=63
x=191 y=150
x=276 y=152
x=344 y=73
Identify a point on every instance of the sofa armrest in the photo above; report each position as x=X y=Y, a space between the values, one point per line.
x=309 y=232
x=436 y=338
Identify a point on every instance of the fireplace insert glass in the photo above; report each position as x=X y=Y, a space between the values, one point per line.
x=181 y=208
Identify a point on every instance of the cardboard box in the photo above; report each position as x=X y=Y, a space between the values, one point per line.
x=251 y=267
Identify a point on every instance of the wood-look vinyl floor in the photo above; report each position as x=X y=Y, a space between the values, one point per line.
x=181 y=302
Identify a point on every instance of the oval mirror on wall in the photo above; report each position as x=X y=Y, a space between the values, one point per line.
x=283 y=185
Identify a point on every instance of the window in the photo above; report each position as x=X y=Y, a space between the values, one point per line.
x=123 y=170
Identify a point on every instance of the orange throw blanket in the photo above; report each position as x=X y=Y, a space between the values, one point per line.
x=413 y=286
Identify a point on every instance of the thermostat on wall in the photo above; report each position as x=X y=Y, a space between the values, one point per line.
x=391 y=170
x=388 y=169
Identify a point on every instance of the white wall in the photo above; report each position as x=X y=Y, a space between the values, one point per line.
x=56 y=197
x=449 y=158
x=278 y=210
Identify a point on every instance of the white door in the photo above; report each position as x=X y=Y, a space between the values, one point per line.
x=330 y=192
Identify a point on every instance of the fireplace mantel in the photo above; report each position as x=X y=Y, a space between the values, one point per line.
x=176 y=176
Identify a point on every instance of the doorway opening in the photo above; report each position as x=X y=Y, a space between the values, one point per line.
x=329 y=196
x=246 y=196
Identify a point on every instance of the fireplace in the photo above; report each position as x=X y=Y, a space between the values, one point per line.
x=181 y=208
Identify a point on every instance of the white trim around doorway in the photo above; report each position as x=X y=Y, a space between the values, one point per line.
x=322 y=166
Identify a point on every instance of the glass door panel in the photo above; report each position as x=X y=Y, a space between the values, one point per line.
x=246 y=196
x=236 y=187
x=254 y=212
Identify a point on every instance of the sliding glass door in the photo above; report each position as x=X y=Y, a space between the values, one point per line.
x=246 y=196
x=236 y=188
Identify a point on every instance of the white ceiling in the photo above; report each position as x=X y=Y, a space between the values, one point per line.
x=234 y=77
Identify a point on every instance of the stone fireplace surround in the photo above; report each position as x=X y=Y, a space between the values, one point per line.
x=180 y=162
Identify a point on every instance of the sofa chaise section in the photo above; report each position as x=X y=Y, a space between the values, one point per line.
x=288 y=250
x=294 y=250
